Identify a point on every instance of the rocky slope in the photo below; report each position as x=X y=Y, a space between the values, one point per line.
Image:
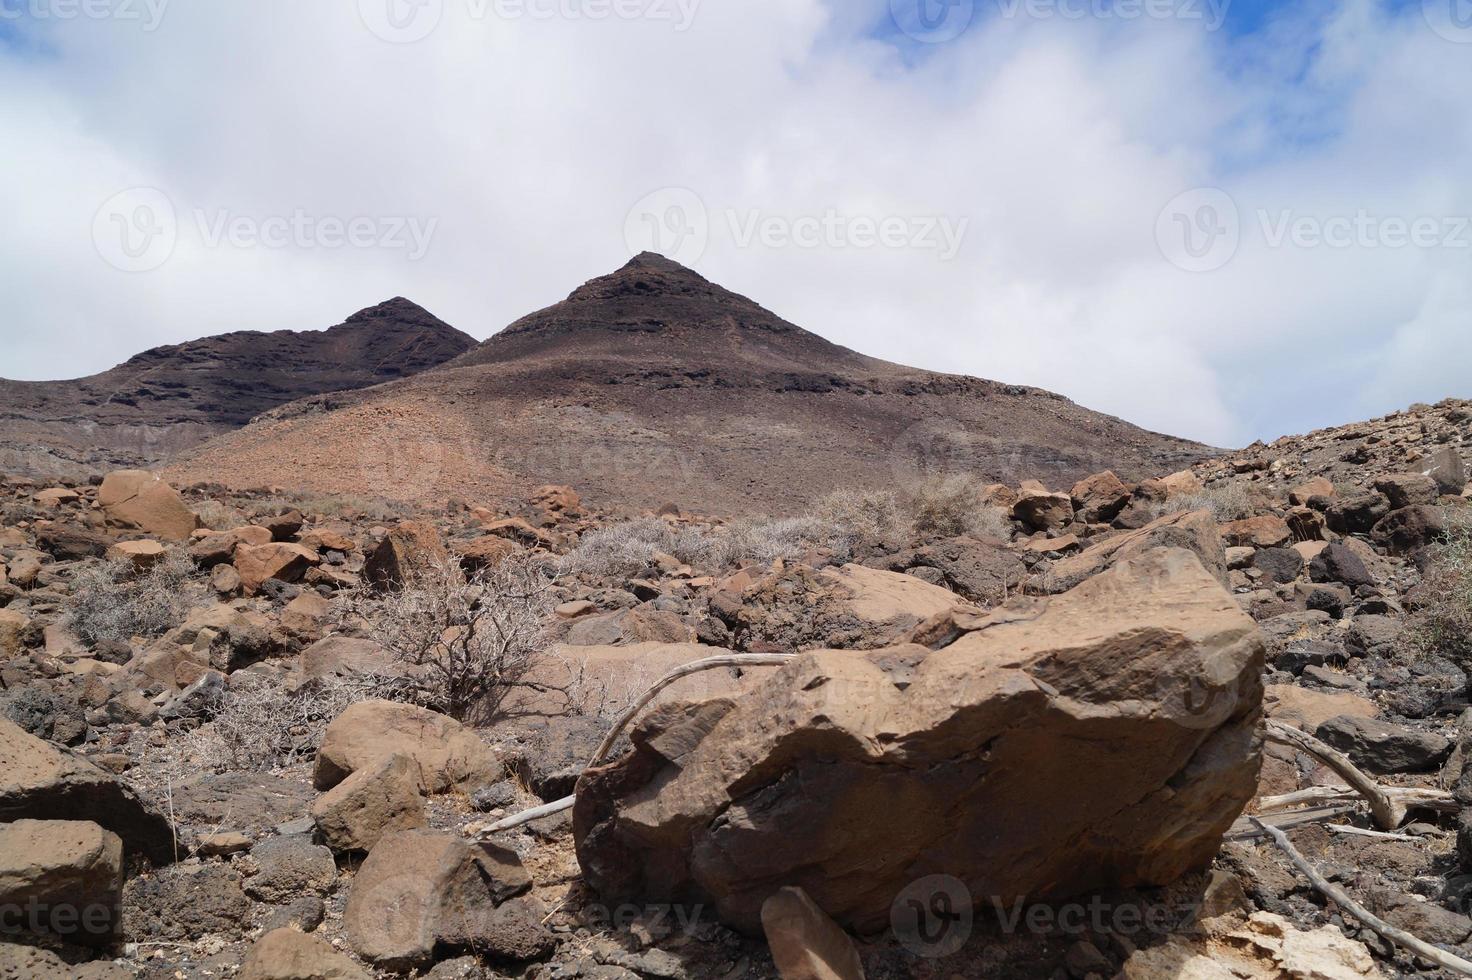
x=170 y=398
x=652 y=385
x=1080 y=688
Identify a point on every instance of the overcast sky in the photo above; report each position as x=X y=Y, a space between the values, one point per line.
x=1222 y=221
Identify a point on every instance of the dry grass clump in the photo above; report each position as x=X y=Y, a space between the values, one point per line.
x=787 y=539
x=112 y=600
x=1226 y=501
x=1443 y=625
x=629 y=548
x=950 y=506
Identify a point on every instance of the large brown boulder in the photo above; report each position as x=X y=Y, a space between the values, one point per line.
x=798 y=607
x=448 y=755
x=1195 y=531
x=284 y=562
x=1102 y=738
x=421 y=890
x=411 y=547
x=376 y=800
x=978 y=571
x=66 y=874
x=39 y=781
x=138 y=499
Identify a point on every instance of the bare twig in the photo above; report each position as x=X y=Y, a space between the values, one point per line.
x=1411 y=797
x=1340 y=828
x=1388 y=812
x=1377 y=925
x=1243 y=829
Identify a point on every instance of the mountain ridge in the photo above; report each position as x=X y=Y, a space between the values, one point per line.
x=652 y=384
x=168 y=398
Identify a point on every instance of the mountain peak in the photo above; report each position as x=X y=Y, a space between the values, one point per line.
x=397 y=308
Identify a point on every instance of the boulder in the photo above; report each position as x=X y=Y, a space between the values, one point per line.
x=448 y=755
x=217 y=549
x=555 y=499
x=16 y=628
x=1043 y=511
x=1446 y=467
x=42 y=782
x=284 y=526
x=65 y=542
x=33 y=963
x=855 y=606
x=421 y=890
x=412 y=546
x=1183 y=483
x=1280 y=565
x=1357 y=514
x=184 y=902
x=284 y=562
x=1336 y=563
x=1304 y=492
x=289 y=867
x=1406 y=489
x=948 y=762
x=141 y=555
x=1385 y=747
x=1264 y=531
x=1193 y=530
x=1098 y=499
x=66 y=874
x=977 y=571
x=1307 y=710
x=379 y=799
x=138 y=499
x=1410 y=529
x=347 y=656
x=805 y=943
x=484 y=552
x=286 y=954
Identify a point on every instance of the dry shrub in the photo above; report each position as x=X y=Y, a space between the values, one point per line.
x=787 y=539
x=950 y=506
x=1226 y=502
x=871 y=515
x=112 y=600
x=1443 y=625
x=628 y=549
x=468 y=640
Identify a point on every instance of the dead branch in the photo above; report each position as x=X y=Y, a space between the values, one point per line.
x=1411 y=797
x=1377 y=925
x=1389 y=813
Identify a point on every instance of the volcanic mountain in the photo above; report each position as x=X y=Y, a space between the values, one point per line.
x=170 y=398
x=653 y=385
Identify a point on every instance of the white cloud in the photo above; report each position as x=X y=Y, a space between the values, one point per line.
x=528 y=140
